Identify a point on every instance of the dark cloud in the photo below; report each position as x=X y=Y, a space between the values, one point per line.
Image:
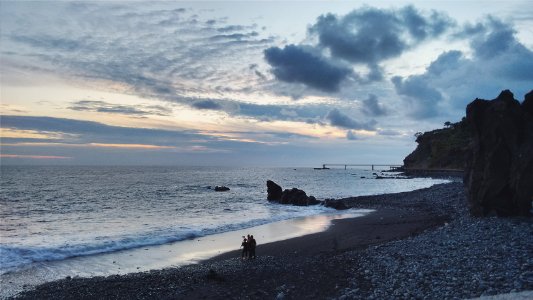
x=96 y=132
x=234 y=36
x=365 y=36
x=416 y=87
x=102 y=106
x=447 y=61
x=498 y=61
x=338 y=119
x=73 y=138
x=491 y=38
x=295 y=64
x=372 y=107
x=420 y=95
x=422 y=27
x=77 y=131
x=497 y=42
x=375 y=74
x=207 y=104
x=230 y=28
x=370 y=35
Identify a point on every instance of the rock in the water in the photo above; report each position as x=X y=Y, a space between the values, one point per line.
x=336 y=204
x=221 y=188
x=294 y=196
x=297 y=197
x=499 y=171
x=274 y=191
x=312 y=201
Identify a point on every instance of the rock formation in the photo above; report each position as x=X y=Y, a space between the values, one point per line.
x=442 y=149
x=297 y=197
x=221 y=188
x=499 y=170
x=273 y=191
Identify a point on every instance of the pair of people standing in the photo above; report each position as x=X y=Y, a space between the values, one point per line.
x=248 y=247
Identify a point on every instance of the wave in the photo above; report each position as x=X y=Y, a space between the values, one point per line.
x=14 y=257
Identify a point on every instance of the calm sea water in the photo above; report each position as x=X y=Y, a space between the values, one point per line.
x=53 y=213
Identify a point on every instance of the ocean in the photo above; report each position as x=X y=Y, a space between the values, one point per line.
x=52 y=213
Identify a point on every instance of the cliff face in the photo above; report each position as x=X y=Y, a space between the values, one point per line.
x=493 y=144
x=499 y=171
x=445 y=148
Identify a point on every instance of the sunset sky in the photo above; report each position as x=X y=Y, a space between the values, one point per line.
x=250 y=83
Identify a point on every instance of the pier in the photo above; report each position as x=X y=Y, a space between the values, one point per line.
x=392 y=167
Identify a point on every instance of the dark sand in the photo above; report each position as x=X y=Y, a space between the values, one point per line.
x=311 y=266
x=349 y=234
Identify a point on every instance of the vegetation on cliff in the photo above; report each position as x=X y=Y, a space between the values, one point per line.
x=444 y=148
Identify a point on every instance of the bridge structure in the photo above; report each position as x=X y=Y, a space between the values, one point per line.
x=392 y=167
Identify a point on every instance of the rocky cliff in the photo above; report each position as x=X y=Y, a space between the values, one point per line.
x=499 y=170
x=493 y=144
x=443 y=149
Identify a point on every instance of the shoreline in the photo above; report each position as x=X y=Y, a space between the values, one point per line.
x=340 y=236
x=410 y=247
x=170 y=255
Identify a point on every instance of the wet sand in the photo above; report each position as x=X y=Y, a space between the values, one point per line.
x=349 y=234
x=175 y=254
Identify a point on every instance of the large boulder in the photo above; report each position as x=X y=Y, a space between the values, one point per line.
x=499 y=169
x=273 y=191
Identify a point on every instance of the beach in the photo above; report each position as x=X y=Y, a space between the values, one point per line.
x=419 y=244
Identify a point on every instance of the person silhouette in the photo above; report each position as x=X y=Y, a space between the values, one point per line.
x=245 y=246
x=253 y=243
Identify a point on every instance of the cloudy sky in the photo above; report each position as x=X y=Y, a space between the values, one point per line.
x=248 y=83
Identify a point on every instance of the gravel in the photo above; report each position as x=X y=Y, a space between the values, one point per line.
x=466 y=258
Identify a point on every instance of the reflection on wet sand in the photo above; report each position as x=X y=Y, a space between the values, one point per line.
x=173 y=254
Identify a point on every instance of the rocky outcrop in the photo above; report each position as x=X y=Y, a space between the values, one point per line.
x=273 y=191
x=442 y=149
x=221 y=188
x=297 y=197
x=499 y=170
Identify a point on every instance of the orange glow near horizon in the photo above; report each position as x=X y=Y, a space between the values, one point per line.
x=34 y=156
x=30 y=134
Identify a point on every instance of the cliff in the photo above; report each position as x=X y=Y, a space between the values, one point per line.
x=442 y=149
x=493 y=144
x=499 y=170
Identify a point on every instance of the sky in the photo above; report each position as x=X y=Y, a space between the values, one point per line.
x=254 y=83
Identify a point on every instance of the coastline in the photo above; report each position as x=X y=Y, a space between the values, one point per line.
x=352 y=258
x=157 y=257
